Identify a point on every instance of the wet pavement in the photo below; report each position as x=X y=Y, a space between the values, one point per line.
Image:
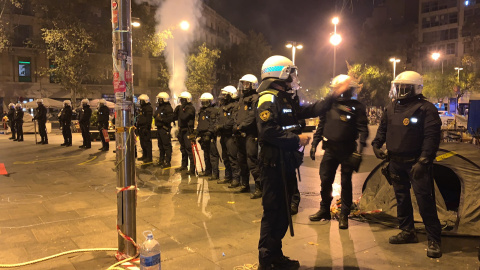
x=57 y=199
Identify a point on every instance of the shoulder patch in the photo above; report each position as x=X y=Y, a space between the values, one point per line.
x=265 y=115
x=265 y=98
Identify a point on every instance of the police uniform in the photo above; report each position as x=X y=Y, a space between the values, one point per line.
x=84 y=121
x=411 y=129
x=185 y=114
x=144 y=124
x=102 y=119
x=245 y=129
x=224 y=128
x=277 y=122
x=340 y=127
x=163 y=120
x=11 y=122
x=41 y=117
x=19 y=124
x=66 y=119
x=208 y=140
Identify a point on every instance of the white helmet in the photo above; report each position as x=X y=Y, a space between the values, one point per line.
x=277 y=66
x=18 y=105
x=230 y=90
x=102 y=101
x=206 y=96
x=39 y=100
x=144 y=98
x=11 y=105
x=406 y=84
x=67 y=103
x=339 y=81
x=85 y=101
x=186 y=95
x=248 y=78
x=164 y=96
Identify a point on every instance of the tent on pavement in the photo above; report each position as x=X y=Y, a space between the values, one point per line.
x=94 y=104
x=47 y=102
x=457 y=190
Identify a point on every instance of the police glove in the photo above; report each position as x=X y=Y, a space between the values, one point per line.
x=313 y=150
x=355 y=160
x=379 y=153
x=191 y=137
x=420 y=168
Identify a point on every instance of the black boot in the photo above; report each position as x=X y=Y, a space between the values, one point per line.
x=141 y=158
x=404 y=237
x=433 y=249
x=258 y=191
x=235 y=183
x=205 y=174
x=45 y=142
x=283 y=263
x=323 y=213
x=213 y=178
x=245 y=188
x=225 y=181
x=343 y=222
x=64 y=144
x=166 y=165
x=293 y=209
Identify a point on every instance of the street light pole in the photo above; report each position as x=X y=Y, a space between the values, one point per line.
x=458 y=74
x=294 y=45
x=395 y=61
x=436 y=56
x=124 y=131
x=335 y=39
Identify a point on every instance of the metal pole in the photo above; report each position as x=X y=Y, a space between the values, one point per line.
x=394 y=68
x=293 y=52
x=124 y=133
x=442 y=67
x=334 y=59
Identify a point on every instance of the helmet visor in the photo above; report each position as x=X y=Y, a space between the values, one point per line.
x=404 y=90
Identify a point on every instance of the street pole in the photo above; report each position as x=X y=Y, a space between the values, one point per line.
x=293 y=54
x=334 y=59
x=124 y=131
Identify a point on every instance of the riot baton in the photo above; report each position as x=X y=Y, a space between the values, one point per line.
x=194 y=158
x=198 y=154
x=35 y=129
x=287 y=199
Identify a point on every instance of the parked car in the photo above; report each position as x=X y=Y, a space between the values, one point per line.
x=446 y=117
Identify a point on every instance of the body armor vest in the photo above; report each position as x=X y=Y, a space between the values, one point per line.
x=405 y=129
x=340 y=123
x=204 y=118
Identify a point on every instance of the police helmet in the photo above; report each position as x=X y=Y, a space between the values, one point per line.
x=229 y=90
x=339 y=81
x=39 y=100
x=186 y=95
x=85 y=102
x=11 y=105
x=67 y=103
x=406 y=84
x=164 y=96
x=144 y=98
x=282 y=68
x=206 y=99
x=18 y=105
x=102 y=101
x=248 y=82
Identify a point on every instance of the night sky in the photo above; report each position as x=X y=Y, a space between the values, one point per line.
x=305 y=21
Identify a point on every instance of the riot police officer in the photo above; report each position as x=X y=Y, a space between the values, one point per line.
x=245 y=128
x=224 y=128
x=41 y=117
x=185 y=114
x=163 y=120
x=340 y=127
x=66 y=120
x=207 y=138
x=144 y=123
x=411 y=129
x=19 y=122
x=102 y=122
x=84 y=121
x=11 y=120
x=277 y=122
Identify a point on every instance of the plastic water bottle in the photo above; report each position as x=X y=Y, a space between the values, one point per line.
x=150 y=253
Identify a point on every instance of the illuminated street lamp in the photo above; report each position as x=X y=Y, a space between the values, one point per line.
x=394 y=61
x=294 y=46
x=335 y=39
x=458 y=73
x=184 y=25
x=136 y=22
x=436 y=56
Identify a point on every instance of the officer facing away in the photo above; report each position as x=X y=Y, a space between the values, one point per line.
x=340 y=128
x=185 y=114
x=102 y=122
x=163 y=120
x=66 y=120
x=41 y=117
x=11 y=120
x=277 y=122
x=84 y=121
x=245 y=129
x=224 y=128
x=411 y=129
x=18 y=119
x=144 y=124
x=207 y=138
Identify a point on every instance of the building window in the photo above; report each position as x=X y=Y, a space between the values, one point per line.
x=431 y=6
x=451 y=48
x=24 y=69
x=22 y=33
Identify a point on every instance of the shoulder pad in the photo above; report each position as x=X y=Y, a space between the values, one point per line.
x=267 y=97
x=271 y=92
